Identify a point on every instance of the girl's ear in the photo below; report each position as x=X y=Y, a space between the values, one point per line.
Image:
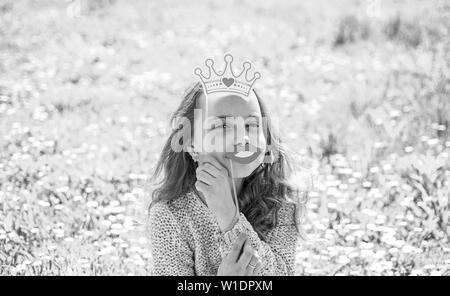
x=269 y=157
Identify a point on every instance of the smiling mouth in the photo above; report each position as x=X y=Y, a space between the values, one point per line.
x=244 y=157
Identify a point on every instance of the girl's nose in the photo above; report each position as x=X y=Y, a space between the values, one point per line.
x=242 y=137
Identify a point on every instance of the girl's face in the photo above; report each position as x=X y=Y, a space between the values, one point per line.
x=233 y=129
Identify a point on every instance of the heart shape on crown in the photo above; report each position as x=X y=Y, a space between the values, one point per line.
x=228 y=81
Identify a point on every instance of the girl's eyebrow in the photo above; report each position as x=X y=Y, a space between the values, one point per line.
x=223 y=118
x=229 y=115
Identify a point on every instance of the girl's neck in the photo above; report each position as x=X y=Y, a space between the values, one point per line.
x=238 y=183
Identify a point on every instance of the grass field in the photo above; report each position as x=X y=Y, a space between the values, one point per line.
x=362 y=89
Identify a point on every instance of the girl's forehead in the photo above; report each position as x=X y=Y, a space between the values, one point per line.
x=230 y=104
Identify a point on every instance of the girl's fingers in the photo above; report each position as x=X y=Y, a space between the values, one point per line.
x=201 y=186
x=205 y=177
x=209 y=168
x=257 y=270
x=213 y=161
x=246 y=256
x=237 y=246
x=253 y=261
x=249 y=270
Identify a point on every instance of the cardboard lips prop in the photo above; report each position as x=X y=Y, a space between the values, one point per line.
x=246 y=156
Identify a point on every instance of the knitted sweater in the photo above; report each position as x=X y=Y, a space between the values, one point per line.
x=185 y=239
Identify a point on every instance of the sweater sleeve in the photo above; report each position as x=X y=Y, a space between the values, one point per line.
x=278 y=253
x=171 y=254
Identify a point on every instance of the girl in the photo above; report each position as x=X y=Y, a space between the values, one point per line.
x=193 y=225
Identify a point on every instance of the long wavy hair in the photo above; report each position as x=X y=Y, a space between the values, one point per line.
x=263 y=192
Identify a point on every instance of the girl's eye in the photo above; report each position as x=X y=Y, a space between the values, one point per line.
x=254 y=124
x=223 y=126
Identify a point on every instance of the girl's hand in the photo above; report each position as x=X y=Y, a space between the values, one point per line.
x=213 y=182
x=247 y=264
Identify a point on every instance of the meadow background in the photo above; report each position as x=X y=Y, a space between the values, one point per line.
x=87 y=88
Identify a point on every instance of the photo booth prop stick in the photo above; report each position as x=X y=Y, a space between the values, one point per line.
x=226 y=81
